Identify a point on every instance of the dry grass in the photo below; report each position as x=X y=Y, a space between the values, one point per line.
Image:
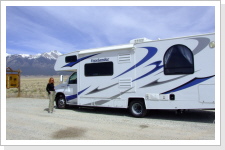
x=32 y=87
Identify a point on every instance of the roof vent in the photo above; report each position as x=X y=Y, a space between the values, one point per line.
x=139 y=40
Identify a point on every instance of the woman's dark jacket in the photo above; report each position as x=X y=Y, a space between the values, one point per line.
x=50 y=87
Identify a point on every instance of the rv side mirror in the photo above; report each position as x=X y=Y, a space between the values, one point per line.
x=61 y=78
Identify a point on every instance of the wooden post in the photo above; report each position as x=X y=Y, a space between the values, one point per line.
x=19 y=90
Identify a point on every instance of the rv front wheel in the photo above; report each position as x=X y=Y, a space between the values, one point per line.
x=137 y=108
x=61 y=102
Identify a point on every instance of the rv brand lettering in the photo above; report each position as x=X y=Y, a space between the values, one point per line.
x=100 y=60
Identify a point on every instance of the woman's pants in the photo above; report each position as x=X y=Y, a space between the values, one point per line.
x=51 y=101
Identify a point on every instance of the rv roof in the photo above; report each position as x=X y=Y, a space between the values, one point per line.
x=109 y=48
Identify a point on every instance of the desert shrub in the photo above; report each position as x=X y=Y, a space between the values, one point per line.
x=32 y=87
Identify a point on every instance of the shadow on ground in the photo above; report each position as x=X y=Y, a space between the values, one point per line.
x=202 y=116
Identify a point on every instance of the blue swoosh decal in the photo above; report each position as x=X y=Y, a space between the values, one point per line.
x=68 y=98
x=157 y=67
x=151 y=52
x=79 y=60
x=188 y=84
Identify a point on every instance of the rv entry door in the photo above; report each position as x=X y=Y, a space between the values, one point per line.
x=71 y=89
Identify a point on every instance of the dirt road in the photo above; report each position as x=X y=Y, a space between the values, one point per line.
x=28 y=119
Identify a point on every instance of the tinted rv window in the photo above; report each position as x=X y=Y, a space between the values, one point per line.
x=178 y=59
x=69 y=59
x=73 y=78
x=98 y=69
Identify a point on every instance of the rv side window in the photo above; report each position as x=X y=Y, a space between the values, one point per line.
x=178 y=59
x=69 y=59
x=98 y=69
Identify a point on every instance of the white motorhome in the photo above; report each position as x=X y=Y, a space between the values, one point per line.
x=176 y=73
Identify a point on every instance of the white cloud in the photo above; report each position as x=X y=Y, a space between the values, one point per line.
x=72 y=28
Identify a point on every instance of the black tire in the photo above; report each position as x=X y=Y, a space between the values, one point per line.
x=61 y=102
x=137 y=108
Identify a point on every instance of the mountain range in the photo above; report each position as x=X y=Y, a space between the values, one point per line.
x=39 y=64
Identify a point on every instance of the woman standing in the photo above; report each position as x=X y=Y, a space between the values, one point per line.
x=51 y=94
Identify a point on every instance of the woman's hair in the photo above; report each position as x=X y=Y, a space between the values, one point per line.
x=49 y=81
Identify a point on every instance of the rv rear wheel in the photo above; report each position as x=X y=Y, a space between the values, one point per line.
x=61 y=102
x=137 y=108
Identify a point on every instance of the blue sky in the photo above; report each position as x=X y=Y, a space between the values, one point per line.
x=39 y=29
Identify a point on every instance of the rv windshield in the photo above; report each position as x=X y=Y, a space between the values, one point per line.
x=73 y=78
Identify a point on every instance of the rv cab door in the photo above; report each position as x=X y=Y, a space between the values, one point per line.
x=71 y=89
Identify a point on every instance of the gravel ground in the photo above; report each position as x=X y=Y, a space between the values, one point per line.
x=28 y=119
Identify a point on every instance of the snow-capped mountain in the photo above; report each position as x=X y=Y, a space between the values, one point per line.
x=8 y=54
x=39 y=64
x=50 y=55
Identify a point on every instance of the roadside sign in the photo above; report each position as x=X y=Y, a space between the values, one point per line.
x=12 y=81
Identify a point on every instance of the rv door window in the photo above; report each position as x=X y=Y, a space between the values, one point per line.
x=73 y=78
x=98 y=69
x=178 y=59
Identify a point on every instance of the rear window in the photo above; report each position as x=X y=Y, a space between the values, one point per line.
x=178 y=59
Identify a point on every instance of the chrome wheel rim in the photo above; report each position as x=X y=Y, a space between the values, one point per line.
x=61 y=102
x=137 y=108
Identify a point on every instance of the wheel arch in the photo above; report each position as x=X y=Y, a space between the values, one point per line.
x=130 y=99
x=58 y=94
